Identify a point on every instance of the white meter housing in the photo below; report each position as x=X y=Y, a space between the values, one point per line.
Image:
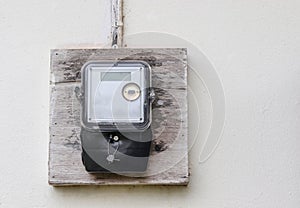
x=116 y=96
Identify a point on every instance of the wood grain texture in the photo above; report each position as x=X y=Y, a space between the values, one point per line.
x=168 y=162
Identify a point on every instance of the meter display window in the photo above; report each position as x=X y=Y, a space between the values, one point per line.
x=115 y=76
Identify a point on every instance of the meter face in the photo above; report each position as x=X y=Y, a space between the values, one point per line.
x=116 y=93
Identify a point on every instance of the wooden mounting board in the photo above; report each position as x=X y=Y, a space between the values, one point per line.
x=168 y=162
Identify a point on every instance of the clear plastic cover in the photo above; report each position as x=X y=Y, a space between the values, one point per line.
x=116 y=96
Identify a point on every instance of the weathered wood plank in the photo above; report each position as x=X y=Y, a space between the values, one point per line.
x=168 y=162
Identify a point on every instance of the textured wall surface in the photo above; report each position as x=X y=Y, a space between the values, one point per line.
x=254 y=46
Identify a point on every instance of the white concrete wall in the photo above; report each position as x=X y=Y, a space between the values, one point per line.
x=255 y=47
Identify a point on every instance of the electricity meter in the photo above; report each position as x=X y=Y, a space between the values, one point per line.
x=116 y=116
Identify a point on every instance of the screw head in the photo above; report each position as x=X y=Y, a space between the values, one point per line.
x=116 y=138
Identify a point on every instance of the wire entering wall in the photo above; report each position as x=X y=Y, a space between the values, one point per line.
x=117 y=23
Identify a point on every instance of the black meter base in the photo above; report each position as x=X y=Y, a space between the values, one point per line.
x=115 y=151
